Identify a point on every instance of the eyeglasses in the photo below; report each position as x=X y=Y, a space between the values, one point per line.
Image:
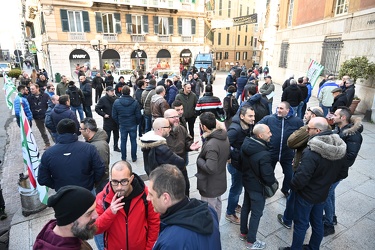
x=312 y=111
x=173 y=117
x=167 y=127
x=80 y=129
x=123 y=182
x=308 y=128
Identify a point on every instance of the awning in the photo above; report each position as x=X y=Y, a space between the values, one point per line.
x=110 y=54
x=78 y=54
x=185 y=53
x=163 y=53
x=138 y=54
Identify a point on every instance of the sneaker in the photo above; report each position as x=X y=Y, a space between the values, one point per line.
x=256 y=245
x=334 y=220
x=281 y=221
x=328 y=230
x=238 y=209
x=243 y=237
x=232 y=218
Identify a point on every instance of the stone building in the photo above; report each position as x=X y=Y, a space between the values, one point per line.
x=146 y=34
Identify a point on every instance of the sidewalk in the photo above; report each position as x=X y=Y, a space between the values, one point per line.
x=355 y=198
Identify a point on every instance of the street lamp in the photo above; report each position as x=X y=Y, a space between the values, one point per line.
x=138 y=52
x=100 y=45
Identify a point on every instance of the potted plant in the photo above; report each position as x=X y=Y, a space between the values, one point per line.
x=354 y=104
x=357 y=67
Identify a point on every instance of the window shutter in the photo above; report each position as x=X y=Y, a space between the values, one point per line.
x=179 y=24
x=42 y=24
x=145 y=24
x=64 y=20
x=193 y=1
x=98 y=21
x=156 y=25
x=86 y=21
x=170 y=23
x=128 y=18
x=117 y=22
x=193 y=26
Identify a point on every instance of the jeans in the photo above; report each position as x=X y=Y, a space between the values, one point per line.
x=295 y=110
x=42 y=129
x=215 y=203
x=289 y=208
x=87 y=110
x=148 y=122
x=190 y=121
x=132 y=132
x=235 y=189
x=270 y=107
x=254 y=202
x=299 y=110
x=80 y=111
x=305 y=213
x=116 y=136
x=286 y=165
x=99 y=241
x=326 y=109
x=329 y=205
x=208 y=79
x=187 y=182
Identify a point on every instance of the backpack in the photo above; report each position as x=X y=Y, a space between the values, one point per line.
x=233 y=105
x=75 y=97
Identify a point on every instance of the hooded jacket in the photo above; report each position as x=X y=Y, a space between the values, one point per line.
x=260 y=106
x=172 y=92
x=48 y=240
x=256 y=165
x=158 y=106
x=163 y=154
x=241 y=82
x=17 y=107
x=99 y=140
x=189 y=224
x=104 y=107
x=293 y=95
x=339 y=101
x=70 y=162
x=87 y=92
x=59 y=112
x=189 y=102
x=281 y=128
x=210 y=103
x=136 y=229
x=126 y=112
x=267 y=89
x=211 y=163
x=325 y=96
x=321 y=166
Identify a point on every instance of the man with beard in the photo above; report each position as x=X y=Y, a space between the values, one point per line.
x=98 y=85
x=189 y=101
x=180 y=142
x=62 y=86
x=126 y=218
x=73 y=224
x=104 y=109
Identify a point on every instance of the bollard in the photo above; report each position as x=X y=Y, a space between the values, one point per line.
x=29 y=197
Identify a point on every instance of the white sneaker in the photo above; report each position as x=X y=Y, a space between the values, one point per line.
x=256 y=245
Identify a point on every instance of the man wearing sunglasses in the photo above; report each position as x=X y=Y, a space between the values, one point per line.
x=126 y=218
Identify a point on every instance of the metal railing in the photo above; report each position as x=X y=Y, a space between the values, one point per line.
x=138 y=38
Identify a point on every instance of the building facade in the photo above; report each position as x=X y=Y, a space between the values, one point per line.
x=328 y=31
x=143 y=34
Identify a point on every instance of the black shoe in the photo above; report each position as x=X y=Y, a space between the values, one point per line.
x=284 y=248
x=306 y=247
x=334 y=220
x=328 y=230
x=134 y=160
x=116 y=149
x=3 y=215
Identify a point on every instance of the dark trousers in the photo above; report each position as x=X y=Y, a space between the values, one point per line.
x=286 y=165
x=87 y=110
x=187 y=183
x=42 y=129
x=116 y=136
x=190 y=121
x=98 y=94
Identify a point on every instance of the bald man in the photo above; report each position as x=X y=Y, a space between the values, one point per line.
x=155 y=148
x=180 y=142
x=256 y=165
x=320 y=167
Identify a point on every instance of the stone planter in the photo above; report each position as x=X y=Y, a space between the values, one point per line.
x=354 y=105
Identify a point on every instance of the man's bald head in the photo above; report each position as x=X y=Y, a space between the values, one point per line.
x=161 y=127
x=263 y=132
x=319 y=123
x=170 y=113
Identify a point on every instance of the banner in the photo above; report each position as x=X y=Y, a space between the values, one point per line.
x=9 y=90
x=30 y=153
x=243 y=20
x=314 y=71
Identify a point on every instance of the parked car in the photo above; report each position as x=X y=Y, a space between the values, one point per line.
x=4 y=67
x=159 y=74
x=126 y=73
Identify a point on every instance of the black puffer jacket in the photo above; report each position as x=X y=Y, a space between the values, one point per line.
x=292 y=95
x=256 y=160
x=339 y=101
x=87 y=92
x=104 y=107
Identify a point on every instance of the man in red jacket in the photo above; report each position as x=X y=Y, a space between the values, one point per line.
x=126 y=218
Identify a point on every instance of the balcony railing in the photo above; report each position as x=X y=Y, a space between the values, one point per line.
x=77 y=36
x=164 y=38
x=111 y=37
x=138 y=38
x=186 y=38
x=161 y=4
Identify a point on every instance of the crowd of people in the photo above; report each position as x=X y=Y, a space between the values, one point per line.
x=315 y=146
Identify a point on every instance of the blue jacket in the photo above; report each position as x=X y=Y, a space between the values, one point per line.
x=17 y=107
x=229 y=81
x=70 y=162
x=48 y=120
x=172 y=91
x=193 y=226
x=281 y=128
x=241 y=82
x=126 y=112
x=59 y=112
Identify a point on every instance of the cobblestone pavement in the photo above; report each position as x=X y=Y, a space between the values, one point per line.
x=355 y=198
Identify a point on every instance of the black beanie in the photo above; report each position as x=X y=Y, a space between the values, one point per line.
x=70 y=203
x=66 y=126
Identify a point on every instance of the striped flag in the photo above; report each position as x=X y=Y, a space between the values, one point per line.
x=30 y=153
x=9 y=89
x=314 y=71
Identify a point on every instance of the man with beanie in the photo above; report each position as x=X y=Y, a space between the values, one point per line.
x=126 y=218
x=70 y=162
x=73 y=224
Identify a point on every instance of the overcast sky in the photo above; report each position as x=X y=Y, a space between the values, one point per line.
x=10 y=24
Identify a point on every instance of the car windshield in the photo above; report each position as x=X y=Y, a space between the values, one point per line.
x=3 y=65
x=125 y=72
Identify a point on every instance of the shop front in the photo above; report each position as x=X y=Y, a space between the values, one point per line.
x=111 y=60
x=163 y=59
x=139 y=60
x=185 y=59
x=79 y=59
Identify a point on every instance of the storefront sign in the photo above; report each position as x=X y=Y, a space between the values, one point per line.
x=78 y=54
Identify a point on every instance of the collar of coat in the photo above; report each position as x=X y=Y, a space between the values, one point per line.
x=330 y=146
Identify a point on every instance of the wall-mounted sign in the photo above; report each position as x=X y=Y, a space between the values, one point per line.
x=243 y=20
x=78 y=54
